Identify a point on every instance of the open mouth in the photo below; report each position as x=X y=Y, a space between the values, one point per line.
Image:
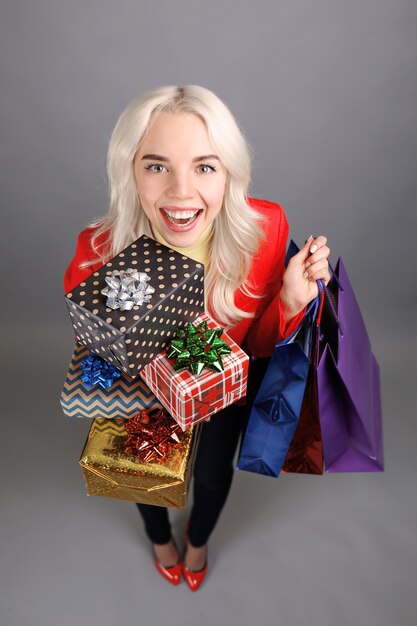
x=182 y=218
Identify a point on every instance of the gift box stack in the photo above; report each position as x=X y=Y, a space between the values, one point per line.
x=143 y=313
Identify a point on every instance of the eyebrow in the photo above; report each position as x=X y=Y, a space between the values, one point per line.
x=158 y=157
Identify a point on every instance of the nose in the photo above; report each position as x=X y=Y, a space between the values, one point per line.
x=180 y=185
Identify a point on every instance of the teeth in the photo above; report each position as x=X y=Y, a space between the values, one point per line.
x=180 y=215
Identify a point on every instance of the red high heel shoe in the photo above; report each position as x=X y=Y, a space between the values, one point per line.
x=172 y=573
x=193 y=578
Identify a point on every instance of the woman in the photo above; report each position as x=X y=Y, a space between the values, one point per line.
x=179 y=171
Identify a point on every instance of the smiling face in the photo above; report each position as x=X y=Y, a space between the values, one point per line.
x=179 y=178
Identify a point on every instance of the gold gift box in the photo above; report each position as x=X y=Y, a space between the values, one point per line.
x=111 y=473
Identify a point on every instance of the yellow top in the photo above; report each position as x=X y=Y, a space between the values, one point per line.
x=199 y=251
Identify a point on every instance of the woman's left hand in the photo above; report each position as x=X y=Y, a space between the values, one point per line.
x=299 y=284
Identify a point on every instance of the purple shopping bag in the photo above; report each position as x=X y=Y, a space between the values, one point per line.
x=348 y=384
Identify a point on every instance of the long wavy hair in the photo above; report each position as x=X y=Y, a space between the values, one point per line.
x=237 y=233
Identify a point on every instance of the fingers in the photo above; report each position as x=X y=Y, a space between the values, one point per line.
x=317 y=242
x=316 y=265
x=320 y=269
x=304 y=252
x=321 y=253
x=311 y=245
x=312 y=259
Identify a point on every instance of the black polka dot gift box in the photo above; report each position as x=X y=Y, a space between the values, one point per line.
x=129 y=309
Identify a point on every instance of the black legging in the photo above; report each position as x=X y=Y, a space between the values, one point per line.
x=213 y=473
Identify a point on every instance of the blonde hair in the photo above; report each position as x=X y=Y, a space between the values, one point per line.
x=236 y=233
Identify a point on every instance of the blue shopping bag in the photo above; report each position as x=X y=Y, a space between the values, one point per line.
x=276 y=409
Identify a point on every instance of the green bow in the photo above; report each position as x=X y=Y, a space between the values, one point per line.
x=197 y=347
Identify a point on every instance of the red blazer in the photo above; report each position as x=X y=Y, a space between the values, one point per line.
x=258 y=334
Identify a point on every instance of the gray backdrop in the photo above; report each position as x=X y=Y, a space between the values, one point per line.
x=326 y=92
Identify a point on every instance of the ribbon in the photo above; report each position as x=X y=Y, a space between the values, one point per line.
x=127 y=288
x=96 y=371
x=197 y=347
x=151 y=435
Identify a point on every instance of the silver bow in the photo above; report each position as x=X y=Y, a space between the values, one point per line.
x=126 y=289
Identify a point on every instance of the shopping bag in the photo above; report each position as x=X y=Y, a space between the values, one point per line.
x=276 y=409
x=348 y=380
x=305 y=454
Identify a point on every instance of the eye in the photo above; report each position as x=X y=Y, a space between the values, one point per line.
x=206 y=169
x=156 y=168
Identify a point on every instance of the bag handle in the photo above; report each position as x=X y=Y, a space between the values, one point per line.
x=326 y=294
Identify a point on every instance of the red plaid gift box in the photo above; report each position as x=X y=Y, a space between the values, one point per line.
x=191 y=398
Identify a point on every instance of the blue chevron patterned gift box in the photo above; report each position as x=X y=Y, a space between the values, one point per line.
x=123 y=399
